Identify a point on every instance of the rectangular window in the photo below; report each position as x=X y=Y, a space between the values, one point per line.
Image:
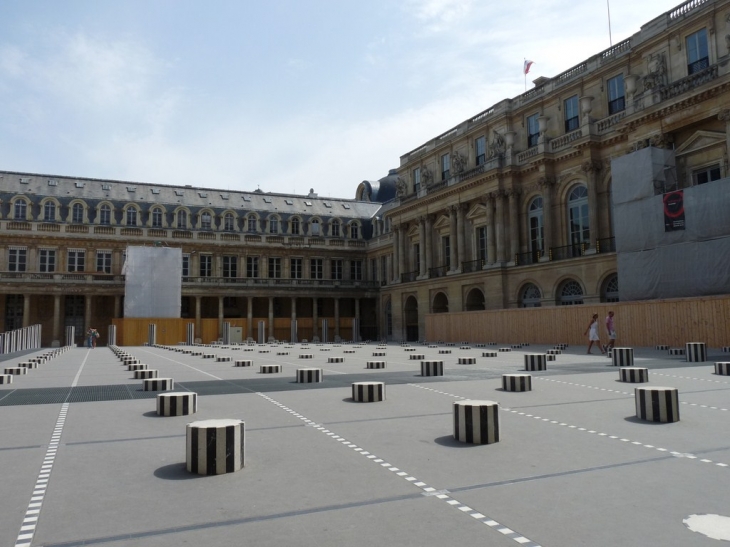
x=131 y=216
x=17 y=259
x=706 y=174
x=228 y=223
x=230 y=266
x=616 y=100
x=445 y=166
x=157 y=218
x=76 y=260
x=481 y=239
x=273 y=225
x=383 y=269
x=316 y=270
x=294 y=226
x=374 y=269
x=205 y=221
x=206 y=265
x=251 y=224
x=697 y=55
x=480 y=149
x=336 y=269
x=533 y=130
x=354 y=231
x=571 y=114
x=296 y=268
x=104 y=262
x=356 y=270
x=186 y=265
x=446 y=251
x=252 y=266
x=274 y=268
x=416 y=179
x=47 y=260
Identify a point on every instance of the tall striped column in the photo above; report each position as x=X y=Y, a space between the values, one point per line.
x=70 y=335
x=262 y=332
x=293 y=336
x=112 y=336
x=356 y=329
x=190 y=334
x=152 y=334
x=2 y=343
x=476 y=422
x=226 y=333
x=325 y=328
x=215 y=447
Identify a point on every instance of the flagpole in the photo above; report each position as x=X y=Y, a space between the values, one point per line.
x=525 y=73
x=610 y=39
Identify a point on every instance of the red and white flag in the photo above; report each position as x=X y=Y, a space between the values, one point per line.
x=527 y=66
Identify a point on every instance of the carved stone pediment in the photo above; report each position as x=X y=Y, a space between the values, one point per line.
x=701 y=140
x=476 y=212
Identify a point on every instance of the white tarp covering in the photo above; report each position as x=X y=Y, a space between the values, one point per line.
x=153 y=282
x=653 y=263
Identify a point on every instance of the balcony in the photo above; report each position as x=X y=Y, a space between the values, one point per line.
x=606 y=245
x=568 y=251
x=472 y=266
x=689 y=83
x=63 y=277
x=408 y=277
x=279 y=282
x=525 y=259
x=439 y=271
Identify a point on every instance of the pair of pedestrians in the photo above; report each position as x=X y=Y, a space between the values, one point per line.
x=593 y=337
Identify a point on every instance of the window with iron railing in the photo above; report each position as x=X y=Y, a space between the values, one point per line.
x=616 y=99
x=533 y=130
x=697 y=52
x=571 y=114
x=480 y=150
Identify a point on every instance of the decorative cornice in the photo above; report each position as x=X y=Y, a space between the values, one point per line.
x=592 y=166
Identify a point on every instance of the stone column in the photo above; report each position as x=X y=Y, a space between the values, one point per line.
x=315 y=317
x=514 y=224
x=271 y=316
x=460 y=227
x=56 y=334
x=454 y=240
x=428 y=251
x=546 y=185
x=87 y=313
x=422 y=246
x=337 y=316
x=396 y=253
x=401 y=251
x=293 y=308
x=26 y=310
x=499 y=226
x=491 y=250
x=117 y=306
x=592 y=168
x=249 y=317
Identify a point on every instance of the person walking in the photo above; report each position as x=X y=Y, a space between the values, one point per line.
x=611 y=332
x=94 y=336
x=89 y=337
x=592 y=332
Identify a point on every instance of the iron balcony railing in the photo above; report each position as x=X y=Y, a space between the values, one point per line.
x=408 y=277
x=531 y=257
x=439 y=271
x=568 y=251
x=472 y=265
x=606 y=245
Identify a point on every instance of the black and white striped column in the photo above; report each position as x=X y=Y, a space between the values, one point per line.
x=476 y=422
x=136 y=366
x=517 y=382
x=269 y=369
x=309 y=375
x=489 y=354
x=226 y=333
x=722 y=368
x=112 y=335
x=417 y=356
x=657 y=404
x=294 y=334
x=177 y=404
x=696 y=352
x=356 y=329
x=432 y=368
x=16 y=371
x=335 y=359
x=6 y=378
x=467 y=360
x=145 y=374
x=375 y=364
x=152 y=334
x=190 y=334
x=634 y=375
x=159 y=384
x=243 y=363
x=262 y=332
x=215 y=447
x=622 y=357
x=535 y=361
x=368 y=392
x=324 y=332
x=70 y=336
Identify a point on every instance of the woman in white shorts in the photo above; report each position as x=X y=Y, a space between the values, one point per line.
x=592 y=332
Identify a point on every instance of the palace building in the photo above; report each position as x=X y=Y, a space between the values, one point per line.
x=510 y=208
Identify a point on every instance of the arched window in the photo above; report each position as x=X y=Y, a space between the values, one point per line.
x=354 y=231
x=105 y=215
x=206 y=221
x=579 y=231
x=335 y=228
x=610 y=289
x=229 y=223
x=314 y=228
x=274 y=225
x=294 y=226
x=21 y=210
x=530 y=296
x=537 y=234
x=131 y=216
x=251 y=223
x=570 y=294
x=157 y=217
x=49 y=211
x=182 y=220
x=77 y=213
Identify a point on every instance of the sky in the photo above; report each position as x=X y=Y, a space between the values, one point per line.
x=281 y=95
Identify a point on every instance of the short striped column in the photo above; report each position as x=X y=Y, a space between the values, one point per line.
x=554 y=352
x=6 y=378
x=661 y=347
x=726 y=349
x=136 y=366
x=335 y=359
x=561 y=346
x=243 y=363
x=696 y=352
x=269 y=369
x=309 y=375
x=306 y=356
x=634 y=375
x=152 y=334
x=177 y=404
x=467 y=360
x=722 y=368
x=432 y=368
x=378 y=354
x=517 y=382
x=416 y=356
x=208 y=356
x=657 y=404
x=504 y=349
x=222 y=359
x=16 y=371
x=144 y=374
x=489 y=354
x=444 y=351
x=28 y=364
x=622 y=357
x=476 y=422
x=368 y=392
x=676 y=351
x=535 y=361
x=375 y=364
x=159 y=384
x=516 y=346
x=215 y=447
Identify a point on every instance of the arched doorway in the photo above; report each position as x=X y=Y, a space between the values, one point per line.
x=411 y=319
x=440 y=303
x=475 y=300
